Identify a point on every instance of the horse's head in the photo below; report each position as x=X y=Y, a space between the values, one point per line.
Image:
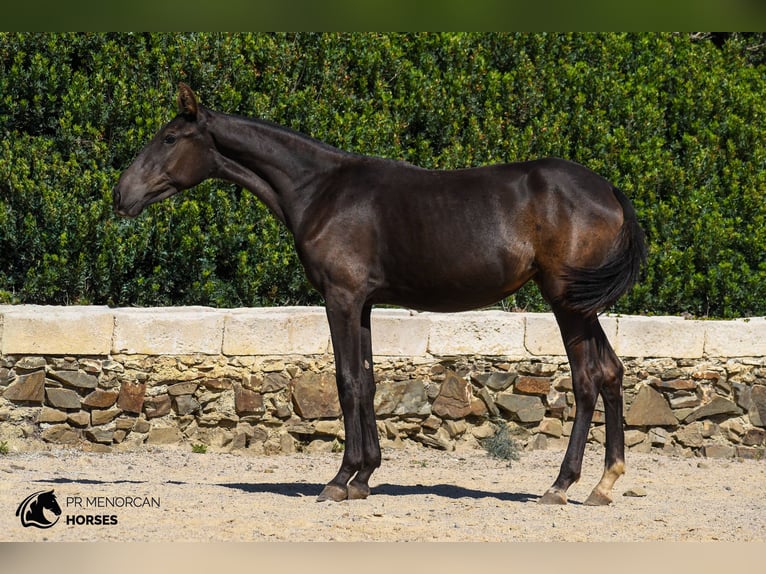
x=48 y=500
x=178 y=157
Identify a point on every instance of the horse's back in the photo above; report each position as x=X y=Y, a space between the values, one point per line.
x=553 y=179
x=539 y=205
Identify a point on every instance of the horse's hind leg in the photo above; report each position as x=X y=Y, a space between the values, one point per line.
x=614 y=464
x=595 y=369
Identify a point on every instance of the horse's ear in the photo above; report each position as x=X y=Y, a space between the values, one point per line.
x=187 y=101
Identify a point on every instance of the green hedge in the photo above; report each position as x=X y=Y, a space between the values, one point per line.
x=677 y=123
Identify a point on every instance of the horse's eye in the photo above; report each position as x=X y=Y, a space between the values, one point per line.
x=170 y=139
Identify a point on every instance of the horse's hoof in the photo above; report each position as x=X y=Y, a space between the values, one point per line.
x=553 y=497
x=358 y=491
x=334 y=493
x=597 y=498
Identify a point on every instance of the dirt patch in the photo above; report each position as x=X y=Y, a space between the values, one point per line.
x=419 y=494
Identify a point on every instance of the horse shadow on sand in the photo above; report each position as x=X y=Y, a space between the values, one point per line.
x=294 y=489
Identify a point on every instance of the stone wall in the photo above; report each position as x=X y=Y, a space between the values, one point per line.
x=263 y=380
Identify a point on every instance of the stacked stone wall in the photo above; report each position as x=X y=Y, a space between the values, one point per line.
x=262 y=380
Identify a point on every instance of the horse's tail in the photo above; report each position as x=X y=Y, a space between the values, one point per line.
x=593 y=289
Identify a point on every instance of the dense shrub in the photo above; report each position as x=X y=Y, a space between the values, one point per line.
x=677 y=123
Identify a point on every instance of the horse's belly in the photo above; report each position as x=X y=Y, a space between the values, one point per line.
x=450 y=289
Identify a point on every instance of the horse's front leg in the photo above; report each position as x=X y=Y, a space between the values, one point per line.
x=346 y=332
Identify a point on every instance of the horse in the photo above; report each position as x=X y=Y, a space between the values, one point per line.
x=31 y=509
x=371 y=230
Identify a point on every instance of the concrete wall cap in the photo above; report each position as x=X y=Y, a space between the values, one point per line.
x=99 y=330
x=53 y=330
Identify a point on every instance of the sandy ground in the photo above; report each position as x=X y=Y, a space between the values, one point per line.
x=418 y=494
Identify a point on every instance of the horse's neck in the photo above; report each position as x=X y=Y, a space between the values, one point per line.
x=279 y=165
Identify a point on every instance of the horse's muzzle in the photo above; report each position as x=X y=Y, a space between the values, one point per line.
x=117 y=203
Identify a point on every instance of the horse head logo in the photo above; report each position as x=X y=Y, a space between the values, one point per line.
x=32 y=510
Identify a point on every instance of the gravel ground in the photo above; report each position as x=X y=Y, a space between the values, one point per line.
x=418 y=494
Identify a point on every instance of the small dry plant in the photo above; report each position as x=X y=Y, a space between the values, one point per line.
x=501 y=444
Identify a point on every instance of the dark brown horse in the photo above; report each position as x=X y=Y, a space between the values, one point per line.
x=371 y=230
